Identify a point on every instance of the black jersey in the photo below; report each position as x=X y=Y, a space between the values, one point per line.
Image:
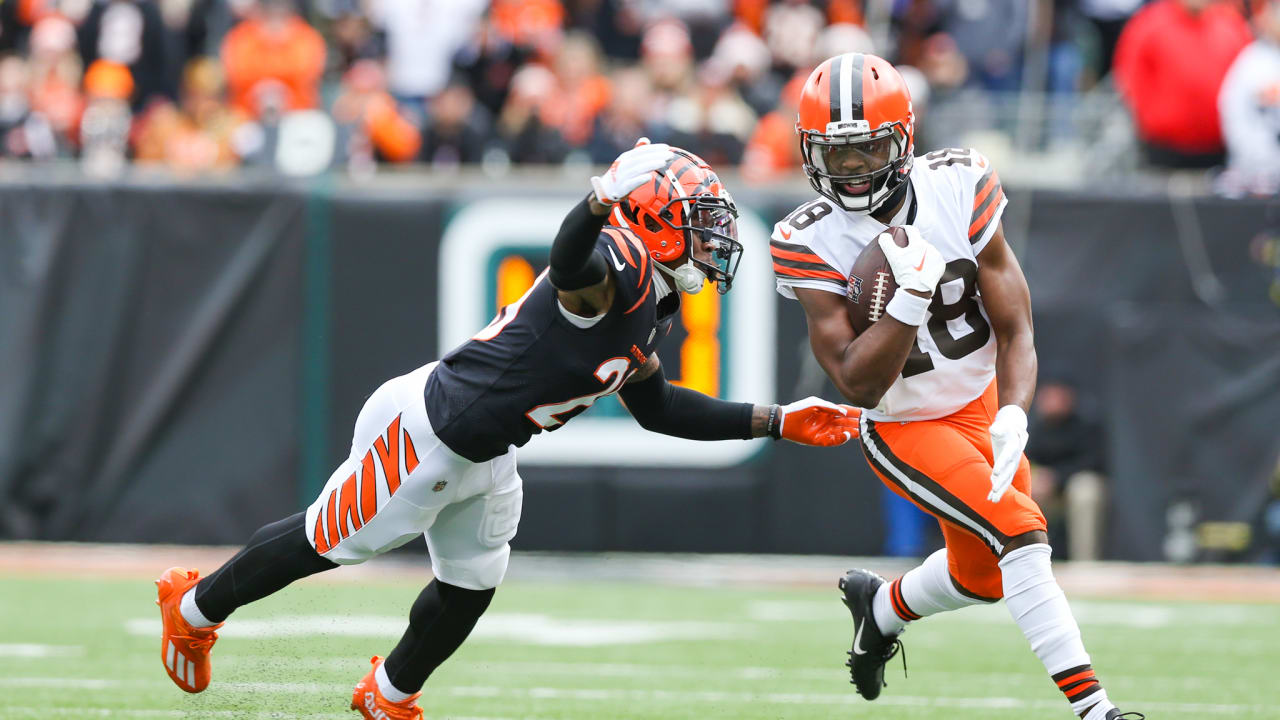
x=532 y=370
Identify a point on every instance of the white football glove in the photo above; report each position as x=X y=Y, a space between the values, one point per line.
x=918 y=266
x=631 y=170
x=1008 y=440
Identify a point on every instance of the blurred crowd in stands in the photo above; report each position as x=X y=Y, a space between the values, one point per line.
x=308 y=85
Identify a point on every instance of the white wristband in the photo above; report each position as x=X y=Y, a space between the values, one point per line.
x=908 y=308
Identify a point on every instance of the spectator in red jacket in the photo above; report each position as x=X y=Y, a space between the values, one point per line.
x=1169 y=66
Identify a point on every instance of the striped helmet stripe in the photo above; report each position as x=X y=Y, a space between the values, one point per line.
x=848 y=75
x=834 y=83
x=851 y=94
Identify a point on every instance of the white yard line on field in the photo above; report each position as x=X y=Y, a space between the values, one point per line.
x=34 y=650
x=666 y=696
x=79 y=712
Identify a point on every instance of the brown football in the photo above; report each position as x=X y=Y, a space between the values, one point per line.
x=871 y=283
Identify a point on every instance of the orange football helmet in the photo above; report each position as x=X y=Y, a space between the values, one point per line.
x=685 y=204
x=857 y=131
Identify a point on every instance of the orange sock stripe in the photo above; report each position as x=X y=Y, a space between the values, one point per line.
x=1071 y=680
x=1073 y=687
x=900 y=603
x=1085 y=690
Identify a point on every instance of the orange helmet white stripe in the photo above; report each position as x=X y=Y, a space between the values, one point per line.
x=857 y=131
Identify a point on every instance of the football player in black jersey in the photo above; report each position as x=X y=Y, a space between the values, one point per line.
x=434 y=451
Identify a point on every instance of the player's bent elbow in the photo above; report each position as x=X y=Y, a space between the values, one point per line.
x=863 y=395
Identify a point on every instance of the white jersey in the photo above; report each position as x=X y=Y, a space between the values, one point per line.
x=956 y=202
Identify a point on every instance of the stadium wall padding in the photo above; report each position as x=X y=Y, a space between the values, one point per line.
x=183 y=364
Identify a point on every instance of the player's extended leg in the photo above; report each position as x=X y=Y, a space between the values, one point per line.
x=914 y=460
x=364 y=509
x=469 y=546
x=192 y=608
x=881 y=611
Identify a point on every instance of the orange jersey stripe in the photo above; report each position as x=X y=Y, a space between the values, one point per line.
x=982 y=220
x=798 y=273
x=621 y=242
x=641 y=300
x=802 y=257
x=993 y=182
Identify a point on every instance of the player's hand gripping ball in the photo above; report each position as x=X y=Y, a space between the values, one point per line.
x=814 y=421
x=900 y=258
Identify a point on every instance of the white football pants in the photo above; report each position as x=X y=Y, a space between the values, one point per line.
x=400 y=481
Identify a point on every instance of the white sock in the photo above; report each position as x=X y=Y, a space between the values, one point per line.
x=1040 y=609
x=925 y=590
x=191 y=612
x=388 y=690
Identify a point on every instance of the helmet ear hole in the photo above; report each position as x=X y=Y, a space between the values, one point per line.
x=651 y=224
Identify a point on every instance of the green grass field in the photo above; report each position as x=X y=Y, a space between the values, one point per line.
x=582 y=649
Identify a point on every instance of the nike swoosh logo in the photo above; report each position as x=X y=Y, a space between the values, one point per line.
x=918 y=267
x=617 y=264
x=786 y=235
x=857 y=639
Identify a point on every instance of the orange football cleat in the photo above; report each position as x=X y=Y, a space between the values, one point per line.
x=184 y=650
x=368 y=701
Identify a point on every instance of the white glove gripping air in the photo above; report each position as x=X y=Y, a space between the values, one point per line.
x=632 y=169
x=1008 y=439
x=918 y=266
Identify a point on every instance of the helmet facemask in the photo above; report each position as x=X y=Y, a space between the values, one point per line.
x=709 y=224
x=858 y=171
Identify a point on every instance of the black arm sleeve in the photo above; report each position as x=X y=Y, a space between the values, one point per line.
x=574 y=262
x=673 y=410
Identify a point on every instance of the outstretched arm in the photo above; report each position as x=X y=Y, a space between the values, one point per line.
x=580 y=274
x=670 y=409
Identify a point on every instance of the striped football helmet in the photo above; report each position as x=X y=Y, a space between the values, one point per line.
x=857 y=131
x=686 y=203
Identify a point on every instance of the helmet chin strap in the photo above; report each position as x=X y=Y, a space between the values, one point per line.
x=688 y=278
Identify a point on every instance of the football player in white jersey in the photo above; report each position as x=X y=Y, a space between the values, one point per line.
x=946 y=375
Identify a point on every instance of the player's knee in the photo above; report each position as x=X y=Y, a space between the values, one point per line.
x=480 y=571
x=1034 y=537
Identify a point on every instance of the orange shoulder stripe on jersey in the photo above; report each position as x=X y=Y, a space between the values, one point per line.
x=641 y=300
x=802 y=257
x=986 y=184
x=621 y=242
x=816 y=274
x=979 y=225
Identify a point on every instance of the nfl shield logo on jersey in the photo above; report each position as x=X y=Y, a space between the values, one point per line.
x=855 y=288
x=440 y=486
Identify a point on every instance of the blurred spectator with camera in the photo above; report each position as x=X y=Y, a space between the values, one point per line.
x=1169 y=66
x=369 y=122
x=1249 y=107
x=524 y=131
x=273 y=58
x=1067 y=462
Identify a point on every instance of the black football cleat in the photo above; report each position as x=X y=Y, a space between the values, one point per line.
x=872 y=649
x=1115 y=714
